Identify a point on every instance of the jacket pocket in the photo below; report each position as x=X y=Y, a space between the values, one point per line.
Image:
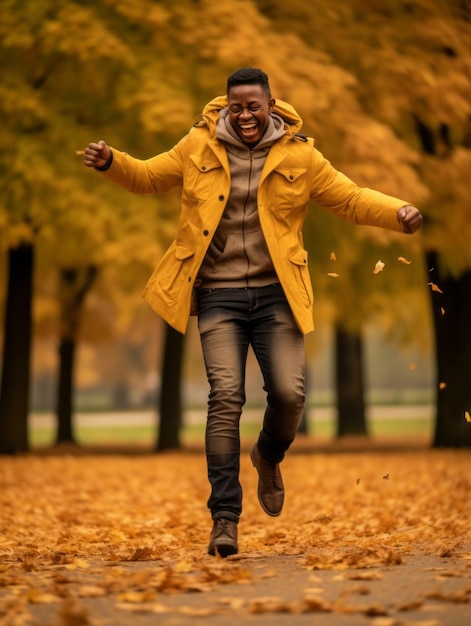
x=300 y=269
x=174 y=273
x=291 y=188
x=200 y=174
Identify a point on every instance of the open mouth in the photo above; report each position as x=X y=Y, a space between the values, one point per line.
x=248 y=130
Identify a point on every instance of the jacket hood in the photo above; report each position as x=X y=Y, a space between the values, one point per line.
x=293 y=122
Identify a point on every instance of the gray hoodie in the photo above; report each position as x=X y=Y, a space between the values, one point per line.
x=238 y=255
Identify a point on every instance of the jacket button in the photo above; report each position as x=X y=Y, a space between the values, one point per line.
x=291 y=177
x=205 y=233
x=204 y=168
x=221 y=198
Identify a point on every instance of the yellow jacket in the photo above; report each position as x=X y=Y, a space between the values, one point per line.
x=294 y=173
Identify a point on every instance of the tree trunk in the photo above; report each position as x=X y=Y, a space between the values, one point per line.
x=75 y=283
x=451 y=312
x=349 y=377
x=65 y=390
x=170 y=402
x=14 y=395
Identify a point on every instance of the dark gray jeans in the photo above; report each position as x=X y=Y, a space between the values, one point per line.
x=229 y=321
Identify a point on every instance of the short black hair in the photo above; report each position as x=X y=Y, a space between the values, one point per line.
x=249 y=76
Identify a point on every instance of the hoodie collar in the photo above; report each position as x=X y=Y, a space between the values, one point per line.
x=225 y=132
x=292 y=121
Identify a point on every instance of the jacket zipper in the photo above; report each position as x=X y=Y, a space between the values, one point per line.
x=243 y=221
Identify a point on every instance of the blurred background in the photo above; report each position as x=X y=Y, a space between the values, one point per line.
x=383 y=86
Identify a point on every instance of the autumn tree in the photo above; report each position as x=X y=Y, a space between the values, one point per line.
x=411 y=61
x=49 y=114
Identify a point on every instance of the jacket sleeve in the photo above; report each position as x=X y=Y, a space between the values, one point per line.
x=155 y=175
x=360 y=205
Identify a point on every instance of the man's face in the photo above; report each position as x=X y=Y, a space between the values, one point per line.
x=249 y=110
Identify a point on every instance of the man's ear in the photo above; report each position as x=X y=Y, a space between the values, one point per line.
x=271 y=104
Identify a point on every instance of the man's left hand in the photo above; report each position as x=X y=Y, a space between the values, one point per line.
x=409 y=218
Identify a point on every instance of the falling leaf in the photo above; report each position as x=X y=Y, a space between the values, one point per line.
x=332 y=256
x=442 y=386
x=467 y=416
x=386 y=477
x=401 y=259
x=435 y=287
x=333 y=274
x=358 y=481
x=442 y=310
x=378 y=267
x=412 y=366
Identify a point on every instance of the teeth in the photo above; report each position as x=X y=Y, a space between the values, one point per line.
x=248 y=126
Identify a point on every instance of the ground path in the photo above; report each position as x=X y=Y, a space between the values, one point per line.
x=376 y=537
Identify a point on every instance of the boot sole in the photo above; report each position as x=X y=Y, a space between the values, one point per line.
x=224 y=550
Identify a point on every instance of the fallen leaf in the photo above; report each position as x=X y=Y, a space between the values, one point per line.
x=378 y=267
x=142 y=554
x=316 y=605
x=372 y=575
x=148 y=607
x=401 y=259
x=385 y=621
x=323 y=518
x=197 y=611
x=462 y=596
x=91 y=591
x=270 y=605
x=77 y=564
x=136 y=597
x=412 y=605
x=74 y=614
x=435 y=287
x=37 y=596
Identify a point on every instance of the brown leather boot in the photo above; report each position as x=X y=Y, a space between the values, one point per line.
x=223 y=540
x=271 y=491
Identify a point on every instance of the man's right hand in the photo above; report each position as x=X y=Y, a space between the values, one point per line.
x=97 y=154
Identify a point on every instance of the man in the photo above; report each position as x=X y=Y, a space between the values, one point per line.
x=238 y=262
